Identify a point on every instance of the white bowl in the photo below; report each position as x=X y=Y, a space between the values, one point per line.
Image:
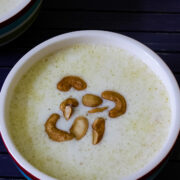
x=14 y=11
x=18 y=19
x=102 y=37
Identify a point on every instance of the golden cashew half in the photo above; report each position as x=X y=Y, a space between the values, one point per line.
x=79 y=127
x=91 y=100
x=67 y=107
x=54 y=133
x=118 y=99
x=98 y=128
x=71 y=81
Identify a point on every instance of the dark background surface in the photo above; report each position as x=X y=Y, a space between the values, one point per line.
x=156 y=23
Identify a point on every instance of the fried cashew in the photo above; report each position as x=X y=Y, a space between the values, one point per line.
x=54 y=133
x=79 y=127
x=98 y=127
x=100 y=109
x=71 y=81
x=67 y=107
x=119 y=100
x=91 y=100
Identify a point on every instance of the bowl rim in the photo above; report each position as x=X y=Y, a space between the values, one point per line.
x=14 y=11
x=6 y=137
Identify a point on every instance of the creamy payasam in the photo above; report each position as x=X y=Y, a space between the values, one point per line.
x=130 y=140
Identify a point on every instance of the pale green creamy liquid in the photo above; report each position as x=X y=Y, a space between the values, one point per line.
x=130 y=141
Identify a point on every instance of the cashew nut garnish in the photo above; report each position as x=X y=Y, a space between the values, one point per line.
x=119 y=100
x=54 y=133
x=91 y=100
x=79 y=127
x=67 y=107
x=71 y=81
x=100 y=109
x=98 y=127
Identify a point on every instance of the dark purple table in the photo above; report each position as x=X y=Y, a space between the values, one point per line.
x=155 y=23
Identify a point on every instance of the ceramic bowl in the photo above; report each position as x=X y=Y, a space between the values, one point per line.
x=101 y=37
x=19 y=19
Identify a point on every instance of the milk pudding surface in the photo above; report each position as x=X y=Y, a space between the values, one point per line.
x=130 y=141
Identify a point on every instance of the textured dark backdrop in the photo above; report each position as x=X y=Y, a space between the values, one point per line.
x=155 y=23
